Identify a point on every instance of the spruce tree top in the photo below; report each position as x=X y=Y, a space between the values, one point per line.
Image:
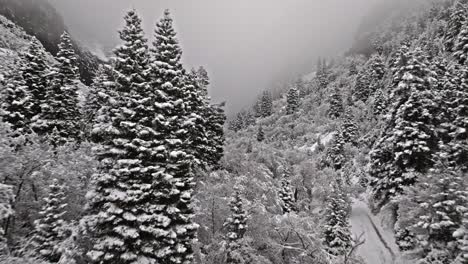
x=67 y=68
x=132 y=55
x=166 y=49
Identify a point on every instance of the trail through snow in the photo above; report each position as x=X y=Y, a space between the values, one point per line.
x=379 y=247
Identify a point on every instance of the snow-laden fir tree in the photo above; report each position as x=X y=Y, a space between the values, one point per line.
x=398 y=61
x=197 y=108
x=260 y=134
x=334 y=157
x=123 y=213
x=16 y=106
x=409 y=141
x=336 y=234
x=98 y=96
x=461 y=44
x=462 y=239
x=455 y=24
x=237 y=221
x=35 y=71
x=442 y=199
x=336 y=104
x=349 y=128
x=285 y=192
x=452 y=132
x=60 y=110
x=6 y=210
x=215 y=126
x=49 y=228
x=292 y=101
x=362 y=89
x=376 y=67
x=176 y=120
x=380 y=103
x=267 y=104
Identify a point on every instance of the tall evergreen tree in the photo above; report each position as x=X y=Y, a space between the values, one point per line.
x=60 y=110
x=98 y=96
x=376 y=66
x=267 y=104
x=336 y=231
x=131 y=193
x=237 y=222
x=336 y=104
x=409 y=141
x=16 y=107
x=362 y=88
x=292 y=100
x=215 y=125
x=334 y=156
x=349 y=128
x=461 y=44
x=442 y=198
x=286 y=193
x=455 y=23
x=35 y=73
x=322 y=75
x=380 y=103
x=398 y=61
x=49 y=227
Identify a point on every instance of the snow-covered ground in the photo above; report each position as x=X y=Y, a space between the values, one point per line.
x=379 y=246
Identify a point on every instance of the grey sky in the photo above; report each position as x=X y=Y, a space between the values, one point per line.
x=246 y=45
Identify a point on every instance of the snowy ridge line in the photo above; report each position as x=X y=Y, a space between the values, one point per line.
x=377 y=231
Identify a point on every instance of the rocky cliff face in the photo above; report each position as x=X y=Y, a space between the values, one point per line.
x=40 y=19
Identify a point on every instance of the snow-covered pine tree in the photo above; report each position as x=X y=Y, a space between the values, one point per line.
x=215 y=126
x=336 y=104
x=126 y=212
x=442 y=197
x=49 y=227
x=97 y=97
x=461 y=44
x=455 y=24
x=336 y=230
x=398 y=61
x=376 y=67
x=260 y=134
x=334 y=156
x=16 y=107
x=349 y=128
x=380 y=103
x=362 y=89
x=292 y=101
x=197 y=107
x=237 y=222
x=285 y=193
x=238 y=122
x=267 y=104
x=60 y=110
x=409 y=141
x=35 y=71
x=174 y=98
x=6 y=210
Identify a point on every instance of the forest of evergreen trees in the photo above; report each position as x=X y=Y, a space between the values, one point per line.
x=140 y=167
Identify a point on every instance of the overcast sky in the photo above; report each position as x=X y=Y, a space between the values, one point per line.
x=246 y=45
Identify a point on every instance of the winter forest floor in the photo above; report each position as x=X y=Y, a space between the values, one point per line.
x=379 y=247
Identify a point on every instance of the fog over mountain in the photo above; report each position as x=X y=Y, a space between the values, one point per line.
x=246 y=45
